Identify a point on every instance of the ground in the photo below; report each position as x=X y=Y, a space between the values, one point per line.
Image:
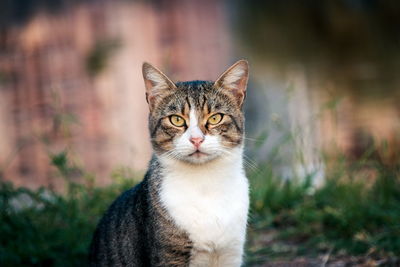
x=267 y=250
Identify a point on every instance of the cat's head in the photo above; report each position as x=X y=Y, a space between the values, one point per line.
x=197 y=121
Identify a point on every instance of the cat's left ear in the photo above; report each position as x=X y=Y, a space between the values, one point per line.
x=157 y=84
x=235 y=80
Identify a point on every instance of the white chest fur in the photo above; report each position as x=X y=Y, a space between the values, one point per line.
x=210 y=202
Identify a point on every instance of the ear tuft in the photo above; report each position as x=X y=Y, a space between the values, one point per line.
x=235 y=80
x=157 y=83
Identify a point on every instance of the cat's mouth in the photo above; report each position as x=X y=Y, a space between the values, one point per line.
x=199 y=157
x=198 y=154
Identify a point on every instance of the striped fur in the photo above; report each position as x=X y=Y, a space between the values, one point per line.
x=191 y=208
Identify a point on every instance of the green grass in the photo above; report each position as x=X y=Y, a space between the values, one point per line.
x=288 y=218
x=54 y=229
x=347 y=215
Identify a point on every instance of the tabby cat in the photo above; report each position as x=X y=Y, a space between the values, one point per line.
x=191 y=208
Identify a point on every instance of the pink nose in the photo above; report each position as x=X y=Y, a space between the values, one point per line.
x=196 y=141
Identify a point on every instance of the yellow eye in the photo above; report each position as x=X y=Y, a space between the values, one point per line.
x=176 y=120
x=215 y=119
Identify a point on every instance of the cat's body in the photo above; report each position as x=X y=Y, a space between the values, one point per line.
x=191 y=208
x=138 y=231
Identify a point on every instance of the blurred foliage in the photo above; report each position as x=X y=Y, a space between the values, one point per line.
x=3 y=77
x=308 y=30
x=349 y=214
x=99 y=56
x=45 y=228
x=354 y=42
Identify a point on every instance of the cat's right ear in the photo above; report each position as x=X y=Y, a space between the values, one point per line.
x=157 y=84
x=234 y=80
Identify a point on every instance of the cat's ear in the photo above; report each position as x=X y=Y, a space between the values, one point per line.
x=157 y=84
x=235 y=80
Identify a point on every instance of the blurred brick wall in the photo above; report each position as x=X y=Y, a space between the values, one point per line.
x=49 y=101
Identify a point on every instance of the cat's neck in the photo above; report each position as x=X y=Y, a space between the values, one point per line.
x=223 y=166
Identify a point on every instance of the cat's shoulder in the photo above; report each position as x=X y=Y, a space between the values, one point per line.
x=125 y=204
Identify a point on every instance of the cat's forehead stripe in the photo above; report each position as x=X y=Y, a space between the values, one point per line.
x=193 y=118
x=194 y=130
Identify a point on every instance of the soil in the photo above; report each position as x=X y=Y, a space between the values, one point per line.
x=267 y=250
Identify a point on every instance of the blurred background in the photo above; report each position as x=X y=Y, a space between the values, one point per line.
x=324 y=85
x=70 y=76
